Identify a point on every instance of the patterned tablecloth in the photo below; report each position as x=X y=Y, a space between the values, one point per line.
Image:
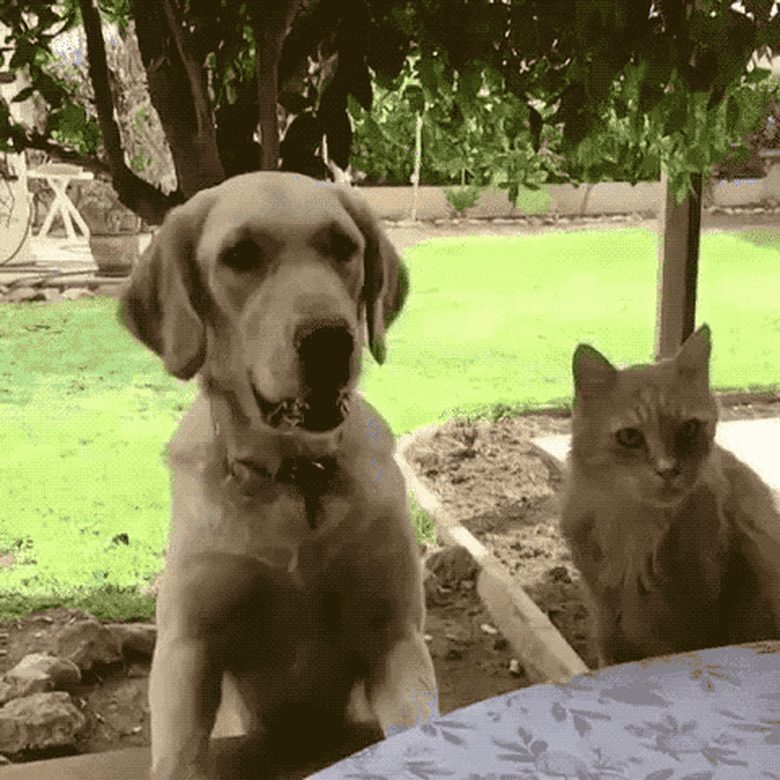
x=698 y=716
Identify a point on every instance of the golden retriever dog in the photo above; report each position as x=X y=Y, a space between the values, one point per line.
x=292 y=591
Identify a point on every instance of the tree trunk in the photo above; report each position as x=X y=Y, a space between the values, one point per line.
x=145 y=200
x=271 y=24
x=178 y=89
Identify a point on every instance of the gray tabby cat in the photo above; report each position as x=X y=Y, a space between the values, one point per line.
x=678 y=542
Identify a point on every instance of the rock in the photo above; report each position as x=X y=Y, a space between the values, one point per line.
x=20 y=294
x=134 y=638
x=51 y=295
x=42 y=720
x=123 y=710
x=108 y=290
x=86 y=643
x=559 y=574
x=452 y=565
x=73 y=293
x=431 y=588
x=38 y=673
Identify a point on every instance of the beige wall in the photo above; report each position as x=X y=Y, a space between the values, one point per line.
x=565 y=200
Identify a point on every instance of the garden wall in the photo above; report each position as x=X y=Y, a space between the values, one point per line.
x=397 y=203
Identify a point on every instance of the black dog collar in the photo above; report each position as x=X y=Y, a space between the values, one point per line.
x=313 y=478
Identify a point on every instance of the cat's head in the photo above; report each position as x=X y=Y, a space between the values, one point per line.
x=645 y=430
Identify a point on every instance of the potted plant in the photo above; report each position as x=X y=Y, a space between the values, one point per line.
x=113 y=228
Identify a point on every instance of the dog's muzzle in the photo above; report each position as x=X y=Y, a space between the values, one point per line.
x=311 y=413
x=325 y=348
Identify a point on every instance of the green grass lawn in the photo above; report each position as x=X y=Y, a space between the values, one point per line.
x=491 y=322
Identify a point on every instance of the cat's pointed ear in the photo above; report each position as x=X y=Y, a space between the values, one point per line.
x=694 y=354
x=592 y=371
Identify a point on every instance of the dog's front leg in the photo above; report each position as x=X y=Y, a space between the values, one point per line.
x=403 y=691
x=184 y=692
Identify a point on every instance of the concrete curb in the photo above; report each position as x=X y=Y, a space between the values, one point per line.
x=544 y=652
x=126 y=764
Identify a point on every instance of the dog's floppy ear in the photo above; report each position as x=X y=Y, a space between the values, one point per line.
x=160 y=300
x=386 y=277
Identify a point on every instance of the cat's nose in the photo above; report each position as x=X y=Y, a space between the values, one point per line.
x=667 y=468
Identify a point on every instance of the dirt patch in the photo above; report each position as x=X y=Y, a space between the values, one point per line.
x=113 y=697
x=471 y=658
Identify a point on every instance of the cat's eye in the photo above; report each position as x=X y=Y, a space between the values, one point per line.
x=630 y=437
x=689 y=430
x=243 y=256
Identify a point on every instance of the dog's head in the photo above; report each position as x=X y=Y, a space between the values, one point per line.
x=265 y=285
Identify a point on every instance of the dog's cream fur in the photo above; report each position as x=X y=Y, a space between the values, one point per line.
x=271 y=598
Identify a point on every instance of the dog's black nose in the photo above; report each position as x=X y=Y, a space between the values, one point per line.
x=325 y=351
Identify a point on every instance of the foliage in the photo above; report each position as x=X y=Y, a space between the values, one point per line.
x=491 y=144
x=669 y=71
x=509 y=90
x=494 y=144
x=33 y=28
x=745 y=160
x=462 y=198
x=684 y=133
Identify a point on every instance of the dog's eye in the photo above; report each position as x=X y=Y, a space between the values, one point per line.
x=334 y=243
x=630 y=437
x=243 y=256
x=342 y=247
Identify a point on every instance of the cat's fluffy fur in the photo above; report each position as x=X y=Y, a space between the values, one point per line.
x=677 y=541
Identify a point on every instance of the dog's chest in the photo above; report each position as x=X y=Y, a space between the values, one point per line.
x=272 y=526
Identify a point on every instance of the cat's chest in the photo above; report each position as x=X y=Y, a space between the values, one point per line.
x=650 y=548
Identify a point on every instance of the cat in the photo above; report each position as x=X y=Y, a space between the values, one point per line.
x=677 y=541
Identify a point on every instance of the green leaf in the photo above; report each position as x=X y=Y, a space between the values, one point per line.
x=732 y=112
x=23 y=95
x=677 y=117
x=757 y=75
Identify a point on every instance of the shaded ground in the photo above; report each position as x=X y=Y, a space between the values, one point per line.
x=472 y=662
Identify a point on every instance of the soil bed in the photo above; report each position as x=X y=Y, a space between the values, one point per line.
x=472 y=662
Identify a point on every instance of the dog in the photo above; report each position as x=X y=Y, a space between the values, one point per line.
x=292 y=589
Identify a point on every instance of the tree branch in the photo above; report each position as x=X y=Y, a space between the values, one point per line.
x=194 y=74
x=270 y=31
x=98 y=74
x=143 y=198
x=177 y=87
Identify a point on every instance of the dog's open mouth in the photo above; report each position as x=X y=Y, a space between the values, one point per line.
x=318 y=413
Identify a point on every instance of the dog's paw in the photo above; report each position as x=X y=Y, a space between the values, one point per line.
x=165 y=771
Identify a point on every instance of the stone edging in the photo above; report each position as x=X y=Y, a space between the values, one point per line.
x=544 y=652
